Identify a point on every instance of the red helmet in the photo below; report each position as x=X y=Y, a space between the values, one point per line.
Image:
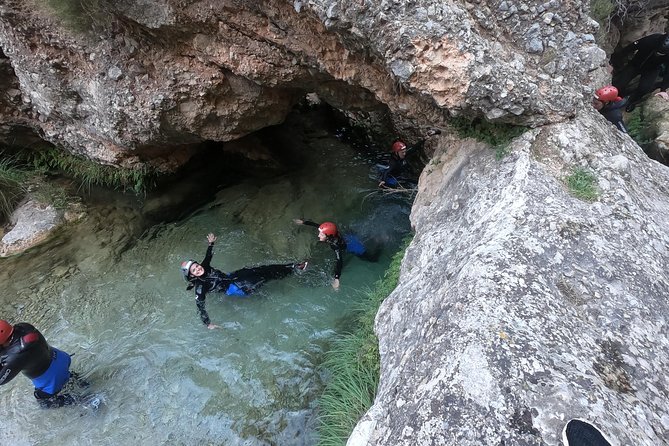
x=328 y=228
x=398 y=146
x=607 y=94
x=6 y=330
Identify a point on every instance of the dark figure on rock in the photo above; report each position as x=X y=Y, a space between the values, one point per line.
x=649 y=62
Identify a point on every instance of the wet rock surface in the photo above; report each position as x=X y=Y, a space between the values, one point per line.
x=521 y=307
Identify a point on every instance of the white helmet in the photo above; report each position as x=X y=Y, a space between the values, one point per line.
x=185 y=268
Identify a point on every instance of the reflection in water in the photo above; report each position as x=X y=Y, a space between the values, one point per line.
x=160 y=376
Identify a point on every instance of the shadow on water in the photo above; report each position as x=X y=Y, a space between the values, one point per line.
x=109 y=291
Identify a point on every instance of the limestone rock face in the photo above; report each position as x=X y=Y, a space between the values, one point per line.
x=520 y=306
x=33 y=223
x=160 y=74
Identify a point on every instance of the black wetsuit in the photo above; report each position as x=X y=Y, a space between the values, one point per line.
x=398 y=166
x=649 y=62
x=48 y=368
x=338 y=245
x=238 y=283
x=613 y=112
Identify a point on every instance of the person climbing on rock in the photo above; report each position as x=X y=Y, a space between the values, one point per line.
x=206 y=279
x=650 y=61
x=24 y=349
x=610 y=105
x=329 y=233
x=398 y=164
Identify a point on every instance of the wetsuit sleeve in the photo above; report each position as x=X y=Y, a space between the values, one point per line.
x=208 y=256
x=310 y=223
x=200 y=301
x=15 y=358
x=618 y=104
x=10 y=366
x=416 y=147
x=394 y=167
x=340 y=262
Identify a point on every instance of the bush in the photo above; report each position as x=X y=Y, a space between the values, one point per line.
x=583 y=184
x=639 y=127
x=89 y=173
x=601 y=10
x=80 y=15
x=12 y=188
x=354 y=364
x=498 y=135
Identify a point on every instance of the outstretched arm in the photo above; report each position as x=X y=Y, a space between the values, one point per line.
x=211 y=238
x=300 y=221
x=200 y=300
x=338 y=266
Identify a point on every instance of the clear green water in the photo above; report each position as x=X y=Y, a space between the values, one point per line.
x=162 y=377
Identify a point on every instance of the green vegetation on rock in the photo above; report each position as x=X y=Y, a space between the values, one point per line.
x=354 y=364
x=582 y=184
x=498 y=135
x=12 y=188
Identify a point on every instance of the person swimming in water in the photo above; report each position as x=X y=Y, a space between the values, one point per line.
x=24 y=349
x=243 y=282
x=340 y=243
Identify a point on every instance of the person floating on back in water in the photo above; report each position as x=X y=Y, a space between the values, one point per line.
x=650 y=61
x=328 y=232
x=206 y=279
x=398 y=164
x=610 y=105
x=24 y=349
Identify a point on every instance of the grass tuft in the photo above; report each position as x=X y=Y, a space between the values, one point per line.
x=495 y=134
x=640 y=127
x=89 y=173
x=12 y=188
x=354 y=365
x=80 y=15
x=583 y=184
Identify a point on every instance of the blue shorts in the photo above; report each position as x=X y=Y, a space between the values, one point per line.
x=354 y=245
x=234 y=290
x=56 y=375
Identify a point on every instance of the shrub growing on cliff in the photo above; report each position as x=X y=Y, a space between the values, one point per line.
x=89 y=173
x=498 y=135
x=80 y=15
x=354 y=365
x=583 y=184
x=640 y=127
x=12 y=187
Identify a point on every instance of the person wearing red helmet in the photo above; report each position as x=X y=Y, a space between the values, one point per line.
x=650 y=62
x=398 y=164
x=610 y=105
x=329 y=233
x=24 y=349
x=206 y=279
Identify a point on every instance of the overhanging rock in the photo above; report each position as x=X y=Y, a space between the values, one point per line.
x=521 y=307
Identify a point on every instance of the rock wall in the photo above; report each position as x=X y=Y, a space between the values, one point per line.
x=160 y=74
x=520 y=306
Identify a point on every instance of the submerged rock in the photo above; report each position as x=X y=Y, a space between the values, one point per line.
x=34 y=223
